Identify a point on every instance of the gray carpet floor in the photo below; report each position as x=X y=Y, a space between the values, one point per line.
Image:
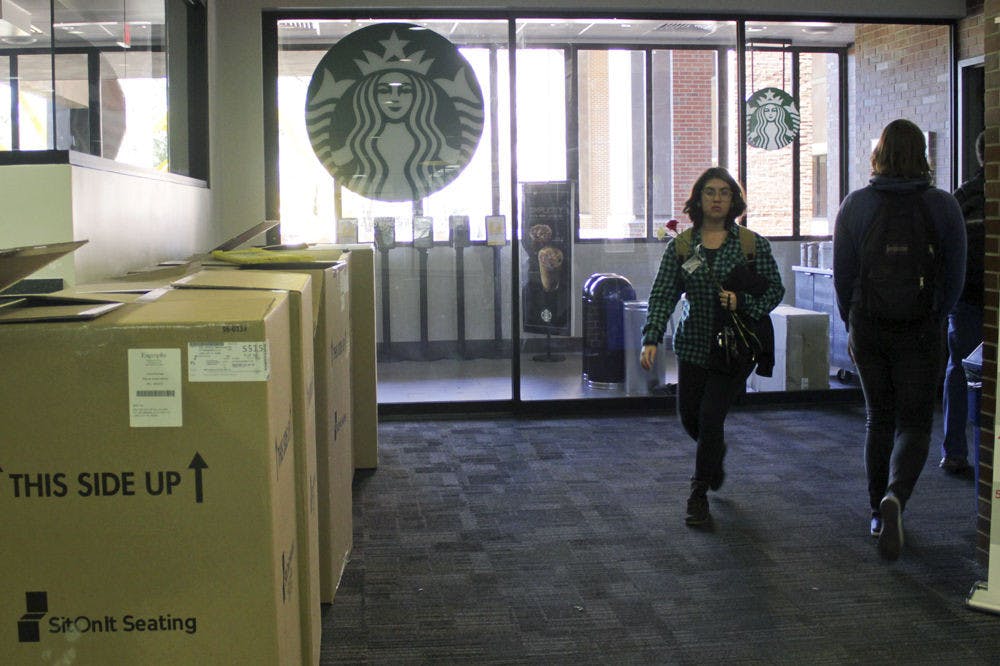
x=562 y=541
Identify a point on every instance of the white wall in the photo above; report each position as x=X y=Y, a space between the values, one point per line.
x=134 y=222
x=130 y=221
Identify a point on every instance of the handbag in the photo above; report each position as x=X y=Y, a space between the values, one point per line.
x=735 y=347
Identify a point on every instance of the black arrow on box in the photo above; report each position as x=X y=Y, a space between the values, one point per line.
x=198 y=464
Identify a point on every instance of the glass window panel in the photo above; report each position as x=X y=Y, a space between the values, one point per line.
x=442 y=333
x=685 y=128
x=820 y=164
x=541 y=114
x=34 y=102
x=769 y=142
x=571 y=346
x=6 y=138
x=612 y=143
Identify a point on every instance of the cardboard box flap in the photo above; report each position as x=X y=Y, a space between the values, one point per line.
x=21 y=310
x=17 y=263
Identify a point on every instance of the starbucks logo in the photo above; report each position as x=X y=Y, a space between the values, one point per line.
x=394 y=112
x=772 y=119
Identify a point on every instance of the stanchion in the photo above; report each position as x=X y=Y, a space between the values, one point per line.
x=424 y=337
x=548 y=356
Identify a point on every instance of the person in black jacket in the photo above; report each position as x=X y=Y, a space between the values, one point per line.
x=897 y=361
x=965 y=323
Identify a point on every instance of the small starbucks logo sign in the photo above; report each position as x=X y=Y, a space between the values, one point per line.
x=772 y=119
x=394 y=112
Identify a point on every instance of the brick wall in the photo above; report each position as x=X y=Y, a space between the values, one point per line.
x=694 y=120
x=902 y=71
x=991 y=30
x=970 y=31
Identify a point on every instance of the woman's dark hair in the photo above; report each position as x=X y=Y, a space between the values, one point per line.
x=692 y=207
x=901 y=152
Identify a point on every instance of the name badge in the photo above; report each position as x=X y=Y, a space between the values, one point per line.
x=692 y=264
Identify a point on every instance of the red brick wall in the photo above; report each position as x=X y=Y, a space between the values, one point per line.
x=694 y=120
x=991 y=30
x=902 y=71
x=970 y=31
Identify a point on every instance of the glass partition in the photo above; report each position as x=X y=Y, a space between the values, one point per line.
x=124 y=81
x=523 y=275
x=428 y=184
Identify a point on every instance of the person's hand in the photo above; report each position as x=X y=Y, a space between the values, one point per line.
x=728 y=300
x=647 y=356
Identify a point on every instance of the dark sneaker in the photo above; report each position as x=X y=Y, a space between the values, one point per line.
x=697 y=510
x=890 y=539
x=876 y=526
x=954 y=465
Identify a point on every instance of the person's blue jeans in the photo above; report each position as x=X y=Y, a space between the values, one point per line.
x=703 y=400
x=898 y=368
x=965 y=332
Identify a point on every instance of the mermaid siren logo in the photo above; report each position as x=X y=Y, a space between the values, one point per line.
x=772 y=119
x=394 y=112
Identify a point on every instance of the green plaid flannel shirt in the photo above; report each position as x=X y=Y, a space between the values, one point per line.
x=694 y=330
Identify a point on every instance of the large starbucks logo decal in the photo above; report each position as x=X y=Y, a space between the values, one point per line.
x=394 y=112
x=772 y=119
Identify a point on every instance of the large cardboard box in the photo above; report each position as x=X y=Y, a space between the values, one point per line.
x=801 y=352
x=230 y=284
x=148 y=487
x=360 y=258
x=332 y=345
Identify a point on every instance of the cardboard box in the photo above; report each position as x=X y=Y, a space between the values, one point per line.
x=801 y=352
x=232 y=283
x=148 y=487
x=332 y=344
x=360 y=260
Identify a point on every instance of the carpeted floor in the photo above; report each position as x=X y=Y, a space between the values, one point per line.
x=562 y=541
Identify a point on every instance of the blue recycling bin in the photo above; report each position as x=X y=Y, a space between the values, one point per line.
x=604 y=297
x=973 y=366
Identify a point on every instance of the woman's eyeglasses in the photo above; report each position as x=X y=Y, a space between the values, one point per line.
x=711 y=193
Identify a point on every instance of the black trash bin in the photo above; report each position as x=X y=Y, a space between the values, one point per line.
x=604 y=296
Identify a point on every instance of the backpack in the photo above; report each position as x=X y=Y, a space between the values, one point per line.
x=899 y=260
x=748 y=243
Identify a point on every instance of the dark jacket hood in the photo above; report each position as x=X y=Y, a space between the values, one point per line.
x=899 y=185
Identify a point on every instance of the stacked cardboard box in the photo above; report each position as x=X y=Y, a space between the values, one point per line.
x=148 y=486
x=360 y=259
x=332 y=348
x=208 y=285
x=801 y=352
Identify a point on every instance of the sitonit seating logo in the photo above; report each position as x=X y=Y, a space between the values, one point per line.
x=36 y=606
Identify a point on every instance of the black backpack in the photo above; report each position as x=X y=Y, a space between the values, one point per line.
x=899 y=260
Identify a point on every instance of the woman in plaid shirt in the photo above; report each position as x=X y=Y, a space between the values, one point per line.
x=700 y=271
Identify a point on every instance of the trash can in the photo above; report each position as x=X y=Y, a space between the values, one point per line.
x=973 y=366
x=637 y=380
x=604 y=297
